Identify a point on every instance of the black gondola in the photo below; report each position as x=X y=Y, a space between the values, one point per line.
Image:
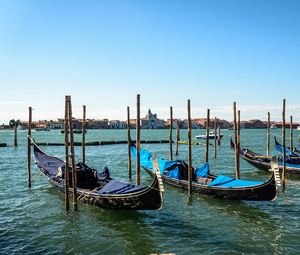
x=293 y=154
x=263 y=162
x=215 y=186
x=98 y=188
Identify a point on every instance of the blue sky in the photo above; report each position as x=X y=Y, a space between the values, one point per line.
x=103 y=53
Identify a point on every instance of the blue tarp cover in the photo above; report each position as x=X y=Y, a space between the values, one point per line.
x=228 y=182
x=202 y=171
x=118 y=187
x=146 y=160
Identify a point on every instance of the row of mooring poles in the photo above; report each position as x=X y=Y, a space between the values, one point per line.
x=69 y=130
x=138 y=142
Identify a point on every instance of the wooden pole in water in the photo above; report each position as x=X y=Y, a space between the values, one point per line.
x=189 y=149
x=237 y=170
x=177 y=136
x=15 y=135
x=66 y=128
x=207 y=136
x=138 y=141
x=291 y=134
x=268 y=135
x=171 y=132
x=74 y=177
x=215 y=137
x=283 y=145
x=238 y=140
x=129 y=143
x=29 y=148
x=219 y=134
x=83 y=133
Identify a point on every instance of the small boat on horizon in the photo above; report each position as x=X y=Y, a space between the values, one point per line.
x=211 y=135
x=42 y=129
x=273 y=126
x=75 y=131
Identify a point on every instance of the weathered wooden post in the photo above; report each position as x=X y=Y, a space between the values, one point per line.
x=215 y=137
x=138 y=141
x=66 y=128
x=74 y=177
x=15 y=135
x=207 y=136
x=29 y=148
x=238 y=140
x=171 y=133
x=219 y=134
x=129 y=143
x=83 y=133
x=189 y=149
x=291 y=134
x=268 y=135
x=177 y=136
x=283 y=145
x=237 y=170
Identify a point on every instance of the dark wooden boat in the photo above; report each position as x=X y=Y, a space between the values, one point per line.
x=240 y=189
x=98 y=188
x=292 y=154
x=263 y=162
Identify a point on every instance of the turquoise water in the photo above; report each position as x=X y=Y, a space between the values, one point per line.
x=35 y=221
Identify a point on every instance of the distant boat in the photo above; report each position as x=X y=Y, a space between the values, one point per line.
x=211 y=135
x=75 y=131
x=273 y=126
x=42 y=129
x=298 y=128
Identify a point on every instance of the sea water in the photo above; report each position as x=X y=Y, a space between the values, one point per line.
x=35 y=222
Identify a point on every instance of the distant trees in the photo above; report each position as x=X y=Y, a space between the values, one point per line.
x=14 y=123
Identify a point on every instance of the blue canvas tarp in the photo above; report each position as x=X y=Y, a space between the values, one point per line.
x=202 y=171
x=228 y=182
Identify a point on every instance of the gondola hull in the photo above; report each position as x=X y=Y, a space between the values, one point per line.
x=141 y=198
x=265 y=191
x=148 y=199
x=263 y=162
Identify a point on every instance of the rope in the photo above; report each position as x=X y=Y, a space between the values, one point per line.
x=84 y=194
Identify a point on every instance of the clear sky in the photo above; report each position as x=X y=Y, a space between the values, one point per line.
x=103 y=53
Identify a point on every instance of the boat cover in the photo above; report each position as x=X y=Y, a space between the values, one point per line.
x=228 y=182
x=118 y=187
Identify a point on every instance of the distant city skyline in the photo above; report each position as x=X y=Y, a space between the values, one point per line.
x=223 y=112
x=103 y=53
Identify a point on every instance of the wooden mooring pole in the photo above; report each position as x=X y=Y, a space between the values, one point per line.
x=138 y=141
x=283 y=145
x=268 y=135
x=66 y=128
x=291 y=134
x=238 y=140
x=171 y=133
x=74 y=177
x=219 y=133
x=15 y=135
x=177 y=136
x=29 y=148
x=237 y=170
x=129 y=144
x=189 y=149
x=207 y=136
x=83 y=133
x=215 y=138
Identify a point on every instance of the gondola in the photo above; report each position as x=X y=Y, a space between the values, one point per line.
x=98 y=188
x=293 y=154
x=263 y=162
x=175 y=173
